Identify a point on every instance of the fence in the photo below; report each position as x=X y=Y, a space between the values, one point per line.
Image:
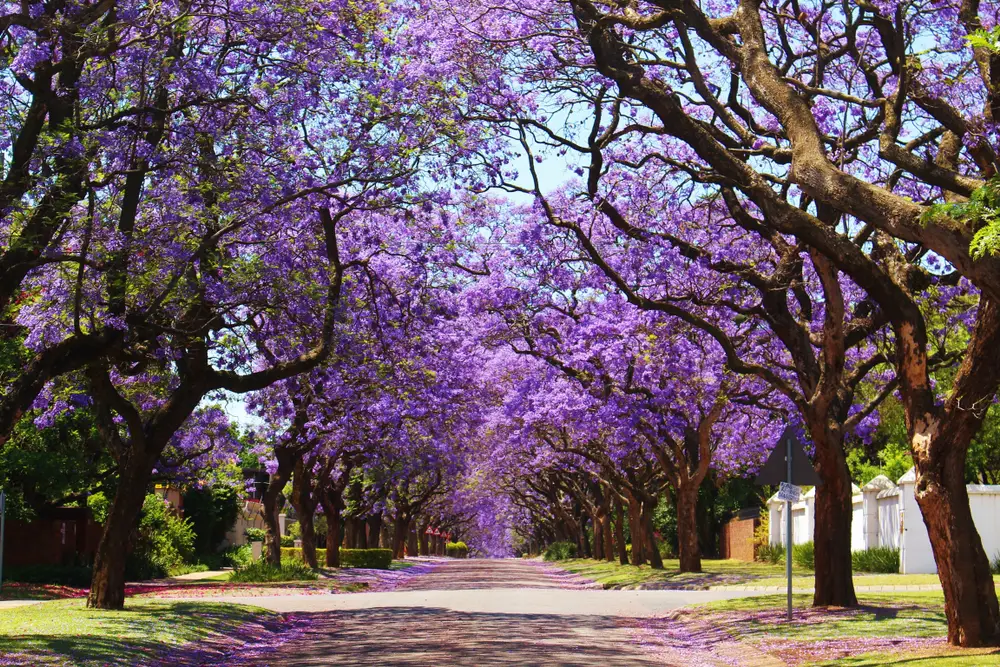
x=886 y=515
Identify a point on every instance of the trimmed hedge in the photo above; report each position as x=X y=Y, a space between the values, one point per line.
x=376 y=559
x=456 y=550
x=295 y=553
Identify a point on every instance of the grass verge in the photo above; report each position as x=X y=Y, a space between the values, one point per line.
x=66 y=632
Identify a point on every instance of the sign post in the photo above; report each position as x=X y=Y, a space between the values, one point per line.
x=788 y=528
x=788 y=474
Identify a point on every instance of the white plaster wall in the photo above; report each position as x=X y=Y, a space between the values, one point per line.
x=858 y=524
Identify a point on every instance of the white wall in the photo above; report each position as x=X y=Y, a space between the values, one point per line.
x=887 y=515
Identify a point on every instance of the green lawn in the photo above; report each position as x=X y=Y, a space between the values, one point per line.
x=725 y=573
x=51 y=633
x=716 y=573
x=887 y=629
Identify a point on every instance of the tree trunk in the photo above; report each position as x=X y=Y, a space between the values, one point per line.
x=399 y=535
x=620 y=531
x=374 y=532
x=422 y=538
x=609 y=543
x=962 y=564
x=637 y=532
x=598 y=538
x=305 y=507
x=652 y=549
x=687 y=528
x=832 y=533
x=350 y=532
x=361 y=534
x=107 y=587
x=332 y=513
x=411 y=539
x=272 y=541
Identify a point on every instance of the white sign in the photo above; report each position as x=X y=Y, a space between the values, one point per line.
x=789 y=492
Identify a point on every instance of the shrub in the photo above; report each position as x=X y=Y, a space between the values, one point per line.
x=165 y=541
x=255 y=534
x=262 y=571
x=295 y=553
x=456 y=550
x=884 y=560
x=560 y=551
x=237 y=556
x=770 y=553
x=376 y=559
x=995 y=563
x=287 y=541
x=804 y=555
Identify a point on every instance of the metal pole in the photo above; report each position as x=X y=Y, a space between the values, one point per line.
x=3 y=516
x=788 y=528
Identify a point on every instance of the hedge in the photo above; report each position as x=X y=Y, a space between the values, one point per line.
x=377 y=559
x=456 y=550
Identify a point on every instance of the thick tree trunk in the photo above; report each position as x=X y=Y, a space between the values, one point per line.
x=652 y=549
x=637 y=532
x=940 y=438
x=374 y=532
x=332 y=513
x=411 y=539
x=107 y=587
x=598 y=538
x=272 y=540
x=687 y=528
x=399 y=535
x=620 y=532
x=422 y=538
x=305 y=507
x=962 y=563
x=609 y=543
x=832 y=532
x=350 y=533
x=361 y=534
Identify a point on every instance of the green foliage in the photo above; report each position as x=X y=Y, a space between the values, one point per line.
x=52 y=466
x=986 y=39
x=882 y=560
x=287 y=541
x=995 y=563
x=894 y=459
x=295 y=553
x=164 y=541
x=261 y=572
x=376 y=559
x=982 y=211
x=770 y=553
x=238 y=555
x=212 y=512
x=559 y=551
x=99 y=504
x=319 y=527
x=804 y=555
x=255 y=534
x=456 y=550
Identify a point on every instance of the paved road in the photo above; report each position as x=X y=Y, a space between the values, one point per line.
x=482 y=612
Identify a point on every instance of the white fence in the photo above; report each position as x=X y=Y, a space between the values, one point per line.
x=886 y=515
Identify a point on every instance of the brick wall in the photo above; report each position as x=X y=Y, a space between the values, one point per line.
x=737 y=539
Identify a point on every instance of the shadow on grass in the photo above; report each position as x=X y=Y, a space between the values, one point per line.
x=137 y=635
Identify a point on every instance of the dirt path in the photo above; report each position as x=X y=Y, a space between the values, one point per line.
x=482 y=612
